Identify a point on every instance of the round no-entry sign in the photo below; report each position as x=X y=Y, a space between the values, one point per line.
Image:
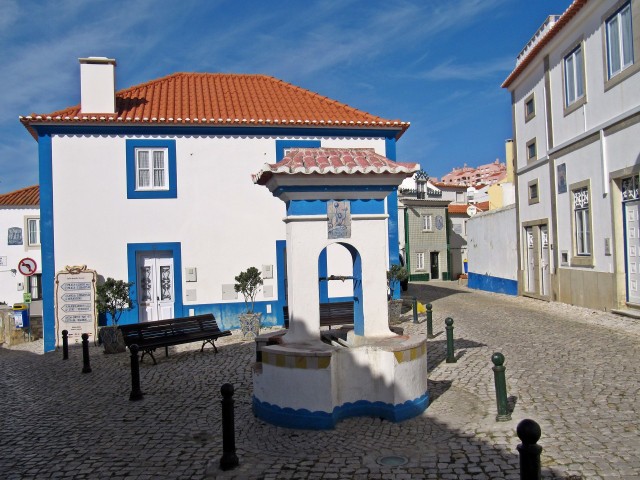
x=27 y=266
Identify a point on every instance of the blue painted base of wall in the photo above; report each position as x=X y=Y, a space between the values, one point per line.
x=305 y=419
x=492 y=284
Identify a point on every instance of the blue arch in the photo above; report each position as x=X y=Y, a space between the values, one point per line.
x=358 y=299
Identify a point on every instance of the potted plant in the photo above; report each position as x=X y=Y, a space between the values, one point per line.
x=113 y=297
x=248 y=283
x=396 y=275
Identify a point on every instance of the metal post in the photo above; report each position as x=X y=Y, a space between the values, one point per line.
x=229 y=458
x=501 y=387
x=449 y=327
x=429 y=321
x=136 y=393
x=415 y=310
x=529 y=432
x=86 y=367
x=65 y=345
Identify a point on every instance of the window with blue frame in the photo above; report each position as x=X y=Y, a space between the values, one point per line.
x=151 y=169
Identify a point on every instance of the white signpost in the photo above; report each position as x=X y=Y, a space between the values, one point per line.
x=76 y=303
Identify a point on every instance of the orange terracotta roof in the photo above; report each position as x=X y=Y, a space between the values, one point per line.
x=24 y=196
x=221 y=100
x=569 y=13
x=333 y=161
x=462 y=208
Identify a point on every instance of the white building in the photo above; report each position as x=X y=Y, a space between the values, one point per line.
x=20 y=228
x=153 y=185
x=576 y=120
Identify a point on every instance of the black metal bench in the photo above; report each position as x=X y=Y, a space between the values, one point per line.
x=165 y=333
x=331 y=314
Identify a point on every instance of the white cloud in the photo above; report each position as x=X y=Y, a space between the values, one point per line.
x=450 y=70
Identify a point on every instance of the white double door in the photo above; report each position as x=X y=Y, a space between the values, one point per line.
x=156 y=292
x=538 y=273
x=632 y=223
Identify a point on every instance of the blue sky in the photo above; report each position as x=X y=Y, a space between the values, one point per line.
x=435 y=63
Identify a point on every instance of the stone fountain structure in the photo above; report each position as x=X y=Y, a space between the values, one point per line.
x=308 y=378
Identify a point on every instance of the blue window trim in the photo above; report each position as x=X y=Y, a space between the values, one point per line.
x=132 y=316
x=392 y=211
x=281 y=145
x=170 y=145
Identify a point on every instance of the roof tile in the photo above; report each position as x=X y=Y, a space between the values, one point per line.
x=222 y=99
x=333 y=161
x=24 y=196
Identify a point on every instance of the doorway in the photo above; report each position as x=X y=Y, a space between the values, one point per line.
x=155 y=279
x=435 y=266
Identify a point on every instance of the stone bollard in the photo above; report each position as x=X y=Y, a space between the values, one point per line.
x=65 y=345
x=529 y=432
x=86 y=367
x=429 y=321
x=229 y=458
x=501 y=387
x=415 y=310
x=136 y=393
x=449 y=327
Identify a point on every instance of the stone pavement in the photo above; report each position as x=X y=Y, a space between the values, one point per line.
x=575 y=371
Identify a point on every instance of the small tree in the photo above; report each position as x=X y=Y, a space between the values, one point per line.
x=248 y=284
x=113 y=297
x=395 y=275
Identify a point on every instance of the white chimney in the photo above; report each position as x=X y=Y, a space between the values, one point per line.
x=97 y=85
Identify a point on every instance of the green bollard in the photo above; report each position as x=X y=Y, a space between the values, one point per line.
x=429 y=321
x=449 y=327
x=501 y=387
x=415 y=310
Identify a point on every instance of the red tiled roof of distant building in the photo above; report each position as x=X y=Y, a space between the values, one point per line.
x=333 y=161
x=483 y=206
x=457 y=208
x=28 y=196
x=217 y=99
x=453 y=186
x=569 y=13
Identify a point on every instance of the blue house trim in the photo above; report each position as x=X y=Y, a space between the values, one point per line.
x=492 y=284
x=132 y=316
x=46 y=242
x=170 y=145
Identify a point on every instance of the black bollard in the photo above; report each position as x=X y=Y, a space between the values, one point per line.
x=501 y=387
x=65 y=345
x=229 y=458
x=136 y=393
x=529 y=432
x=449 y=327
x=429 y=321
x=415 y=310
x=86 y=367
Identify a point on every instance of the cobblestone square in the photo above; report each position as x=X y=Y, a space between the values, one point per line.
x=575 y=371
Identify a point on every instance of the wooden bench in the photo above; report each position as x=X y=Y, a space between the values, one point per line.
x=165 y=333
x=331 y=314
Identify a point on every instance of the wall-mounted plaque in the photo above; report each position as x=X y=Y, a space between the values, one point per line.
x=15 y=236
x=562 y=178
x=339 y=213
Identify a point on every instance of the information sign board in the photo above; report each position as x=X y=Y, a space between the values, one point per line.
x=76 y=303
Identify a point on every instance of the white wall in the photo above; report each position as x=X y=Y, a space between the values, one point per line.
x=224 y=222
x=9 y=283
x=492 y=243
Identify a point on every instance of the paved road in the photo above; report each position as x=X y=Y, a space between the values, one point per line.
x=575 y=371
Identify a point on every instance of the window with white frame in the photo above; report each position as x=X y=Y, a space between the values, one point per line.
x=427 y=222
x=582 y=221
x=574 y=76
x=152 y=169
x=619 y=34
x=420 y=261
x=33 y=232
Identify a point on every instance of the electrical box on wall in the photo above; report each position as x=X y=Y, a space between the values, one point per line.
x=267 y=271
x=229 y=292
x=20 y=286
x=191 y=295
x=267 y=291
x=191 y=274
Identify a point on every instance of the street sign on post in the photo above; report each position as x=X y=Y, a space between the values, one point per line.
x=27 y=266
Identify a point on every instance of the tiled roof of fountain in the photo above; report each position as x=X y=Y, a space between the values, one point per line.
x=324 y=161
